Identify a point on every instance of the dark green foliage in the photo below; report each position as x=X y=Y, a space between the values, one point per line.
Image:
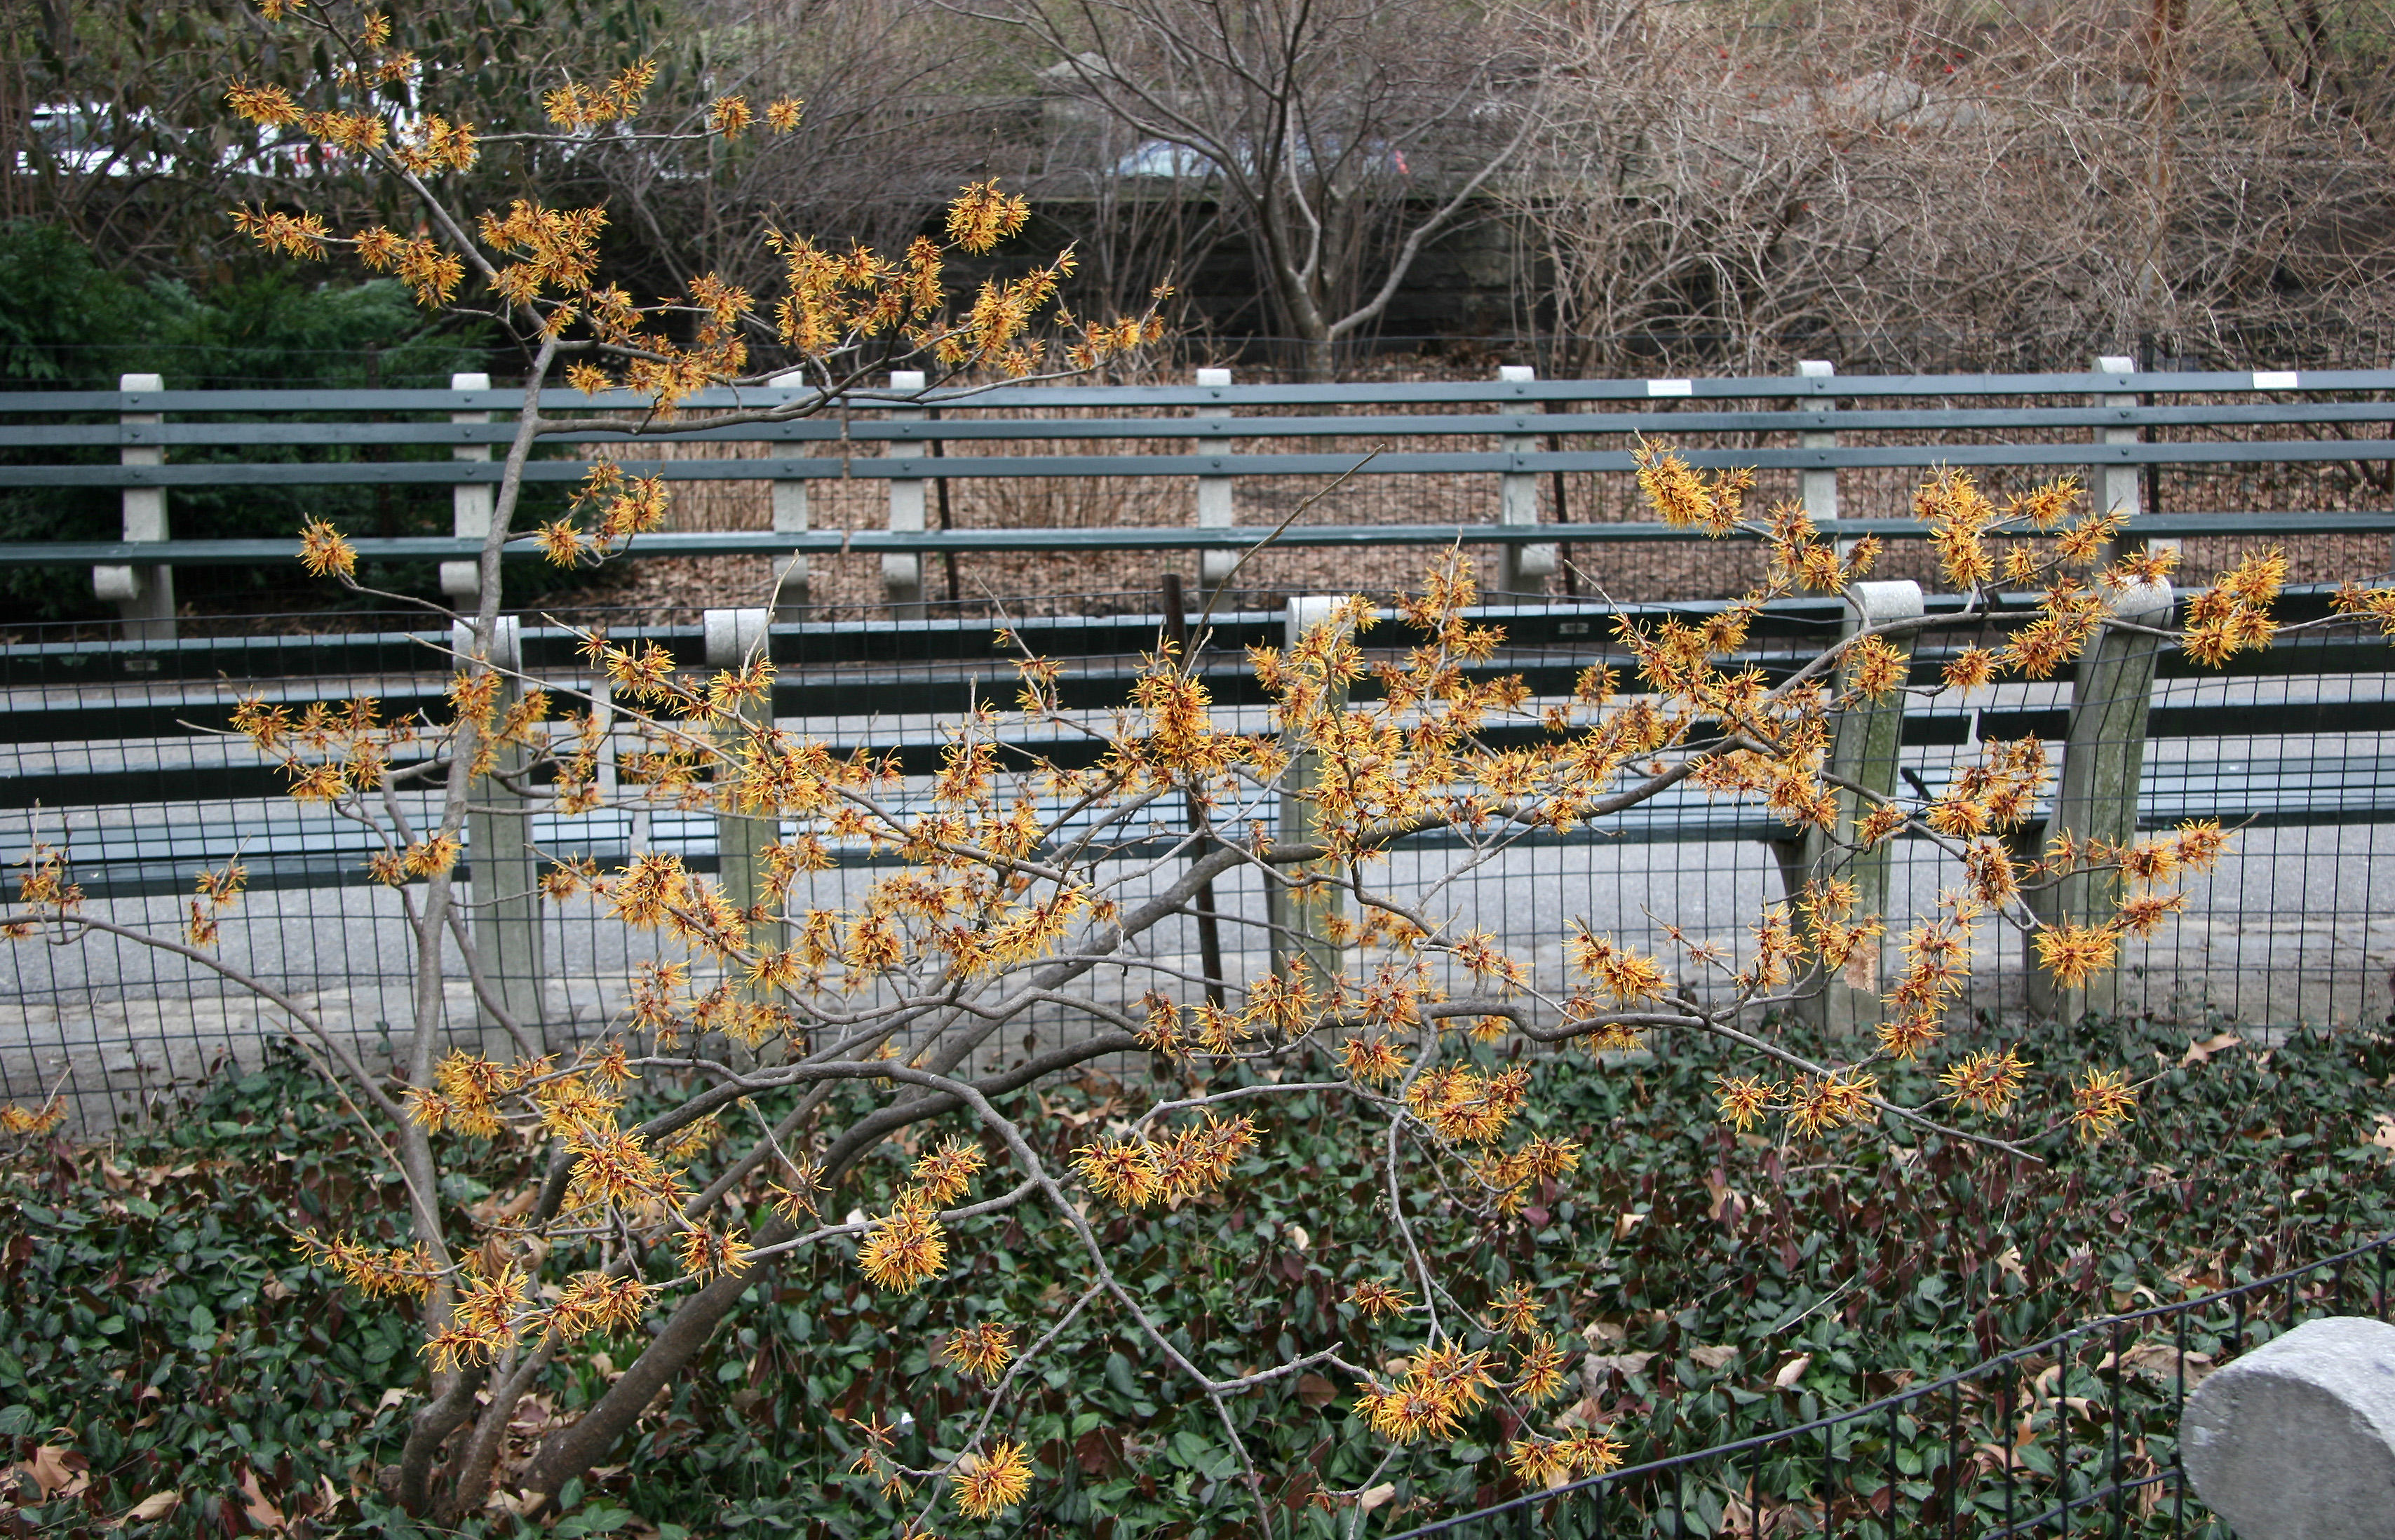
x=156 y=1319
x=1887 y=1262
x=67 y=322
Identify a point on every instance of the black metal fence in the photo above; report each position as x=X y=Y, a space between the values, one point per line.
x=114 y=753
x=2074 y=1435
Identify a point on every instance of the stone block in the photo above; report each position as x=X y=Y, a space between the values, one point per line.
x=2295 y=1440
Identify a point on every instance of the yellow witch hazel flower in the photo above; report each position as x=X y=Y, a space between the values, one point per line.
x=905 y=1248
x=987 y=1485
x=983 y=1351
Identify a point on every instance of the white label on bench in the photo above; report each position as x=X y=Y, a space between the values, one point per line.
x=1671 y=387
x=2274 y=382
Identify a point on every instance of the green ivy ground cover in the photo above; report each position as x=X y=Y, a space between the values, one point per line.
x=157 y=1336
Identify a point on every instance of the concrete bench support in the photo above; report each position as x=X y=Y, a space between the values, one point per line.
x=902 y=571
x=470 y=506
x=143 y=595
x=1863 y=751
x=2115 y=486
x=1820 y=489
x=791 y=592
x=1213 y=492
x=1300 y=915
x=506 y=868
x=2295 y=1440
x=2103 y=761
x=1521 y=569
x=732 y=637
x=2122 y=486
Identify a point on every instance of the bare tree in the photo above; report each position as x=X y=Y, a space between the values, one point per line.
x=2094 y=173
x=885 y=140
x=1135 y=225
x=1340 y=136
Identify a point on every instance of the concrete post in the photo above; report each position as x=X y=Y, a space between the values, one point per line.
x=732 y=637
x=2295 y=1440
x=143 y=595
x=1864 y=750
x=2109 y=486
x=1213 y=492
x=504 y=868
x=470 y=505
x=1300 y=936
x=1521 y=569
x=2122 y=486
x=1820 y=489
x=2103 y=761
x=791 y=592
x=902 y=572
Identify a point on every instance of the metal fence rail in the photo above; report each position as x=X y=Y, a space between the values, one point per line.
x=2074 y=1435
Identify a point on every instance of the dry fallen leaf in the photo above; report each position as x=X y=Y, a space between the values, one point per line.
x=256 y=1506
x=153 y=1507
x=1374 y=1497
x=1862 y=969
x=2197 y=1053
x=1594 y=1366
x=2161 y=1360
x=1713 y=1356
x=1625 y=1225
x=1792 y=1371
x=2384 y=1134
x=58 y=1470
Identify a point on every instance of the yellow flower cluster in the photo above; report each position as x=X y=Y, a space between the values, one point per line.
x=2233 y=615
x=32 y=1122
x=1817 y=1104
x=1510 y=1177
x=375 y=1271
x=1440 y=1386
x=1686 y=501
x=1139 y=1170
x=983 y=1351
x=987 y=1485
x=905 y=1246
x=2101 y=1101
x=1462 y=1104
x=542 y=260
x=1551 y=1462
x=578 y=106
x=609 y=510
x=1987 y=1080
x=1374 y=1299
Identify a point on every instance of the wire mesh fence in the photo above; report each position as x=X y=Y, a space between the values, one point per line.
x=119 y=755
x=2078 y=1434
